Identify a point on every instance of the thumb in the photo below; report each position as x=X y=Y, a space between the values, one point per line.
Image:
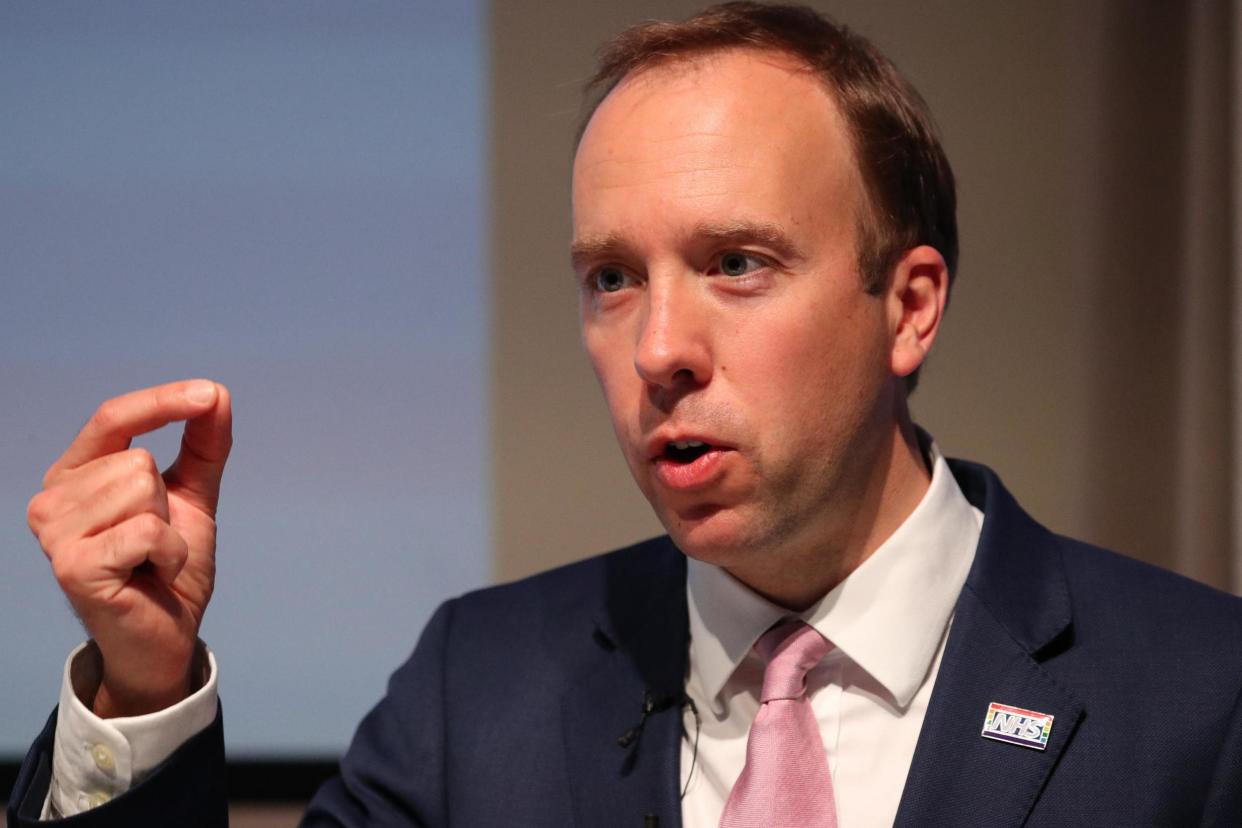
x=205 y=447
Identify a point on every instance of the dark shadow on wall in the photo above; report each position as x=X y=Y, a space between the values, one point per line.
x=1161 y=484
x=1134 y=302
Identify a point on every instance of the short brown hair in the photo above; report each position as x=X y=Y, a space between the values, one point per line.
x=910 y=189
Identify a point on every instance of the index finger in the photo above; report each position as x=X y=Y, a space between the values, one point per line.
x=116 y=422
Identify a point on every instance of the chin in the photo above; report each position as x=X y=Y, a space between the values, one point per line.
x=713 y=535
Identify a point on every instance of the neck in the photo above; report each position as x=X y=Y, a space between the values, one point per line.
x=894 y=478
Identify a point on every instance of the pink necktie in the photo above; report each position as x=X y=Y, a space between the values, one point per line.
x=785 y=783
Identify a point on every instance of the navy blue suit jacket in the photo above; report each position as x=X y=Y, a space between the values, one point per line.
x=509 y=711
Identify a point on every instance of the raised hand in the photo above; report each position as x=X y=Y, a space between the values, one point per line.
x=134 y=549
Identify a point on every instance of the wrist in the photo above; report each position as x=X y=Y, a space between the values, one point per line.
x=121 y=696
x=112 y=703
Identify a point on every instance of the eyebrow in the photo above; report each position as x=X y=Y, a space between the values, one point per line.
x=613 y=245
x=593 y=248
x=749 y=232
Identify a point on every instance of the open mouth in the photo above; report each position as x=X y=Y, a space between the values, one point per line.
x=685 y=451
x=689 y=464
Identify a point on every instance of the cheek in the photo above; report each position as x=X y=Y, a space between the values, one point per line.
x=774 y=349
x=806 y=368
x=615 y=393
x=614 y=370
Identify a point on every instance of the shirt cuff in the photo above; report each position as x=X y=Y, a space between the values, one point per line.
x=96 y=759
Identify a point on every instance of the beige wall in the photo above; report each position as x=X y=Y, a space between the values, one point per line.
x=1054 y=367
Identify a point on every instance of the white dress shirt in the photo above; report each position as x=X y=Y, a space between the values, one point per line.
x=888 y=622
x=94 y=759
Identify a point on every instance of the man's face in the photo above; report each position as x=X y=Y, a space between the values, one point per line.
x=747 y=373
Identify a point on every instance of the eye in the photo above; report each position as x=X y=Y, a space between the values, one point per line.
x=608 y=280
x=736 y=263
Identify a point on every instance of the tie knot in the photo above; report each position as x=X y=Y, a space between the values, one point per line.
x=790 y=649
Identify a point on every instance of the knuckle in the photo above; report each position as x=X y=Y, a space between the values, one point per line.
x=143 y=486
x=141 y=460
x=38 y=512
x=147 y=529
x=106 y=416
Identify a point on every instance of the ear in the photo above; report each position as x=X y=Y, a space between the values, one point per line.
x=917 y=293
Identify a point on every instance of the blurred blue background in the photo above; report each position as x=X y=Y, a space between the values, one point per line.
x=287 y=197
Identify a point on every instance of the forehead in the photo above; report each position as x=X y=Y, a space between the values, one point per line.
x=736 y=135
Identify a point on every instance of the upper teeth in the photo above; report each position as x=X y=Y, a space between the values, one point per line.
x=681 y=445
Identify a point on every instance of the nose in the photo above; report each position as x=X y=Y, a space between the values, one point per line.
x=673 y=349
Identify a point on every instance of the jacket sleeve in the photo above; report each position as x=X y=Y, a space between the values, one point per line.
x=394 y=770
x=188 y=789
x=1224 y=800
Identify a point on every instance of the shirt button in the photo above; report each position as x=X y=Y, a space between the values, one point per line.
x=103 y=757
x=98 y=798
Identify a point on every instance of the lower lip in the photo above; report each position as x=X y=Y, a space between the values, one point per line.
x=694 y=475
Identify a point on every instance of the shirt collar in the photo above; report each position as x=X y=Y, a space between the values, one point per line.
x=888 y=616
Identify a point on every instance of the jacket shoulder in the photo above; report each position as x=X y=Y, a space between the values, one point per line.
x=1117 y=604
x=1150 y=606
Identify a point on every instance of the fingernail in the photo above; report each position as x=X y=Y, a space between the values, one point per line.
x=201 y=391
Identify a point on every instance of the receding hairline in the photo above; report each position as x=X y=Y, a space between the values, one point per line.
x=691 y=59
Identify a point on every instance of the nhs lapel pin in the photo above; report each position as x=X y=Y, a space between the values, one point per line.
x=1028 y=728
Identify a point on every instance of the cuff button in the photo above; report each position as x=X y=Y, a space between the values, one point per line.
x=86 y=802
x=103 y=757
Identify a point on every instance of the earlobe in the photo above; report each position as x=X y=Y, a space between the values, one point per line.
x=919 y=290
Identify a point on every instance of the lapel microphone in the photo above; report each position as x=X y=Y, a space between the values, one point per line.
x=651 y=704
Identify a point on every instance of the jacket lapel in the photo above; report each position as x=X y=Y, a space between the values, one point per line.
x=1013 y=613
x=633 y=687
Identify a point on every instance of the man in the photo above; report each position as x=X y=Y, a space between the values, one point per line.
x=764 y=240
